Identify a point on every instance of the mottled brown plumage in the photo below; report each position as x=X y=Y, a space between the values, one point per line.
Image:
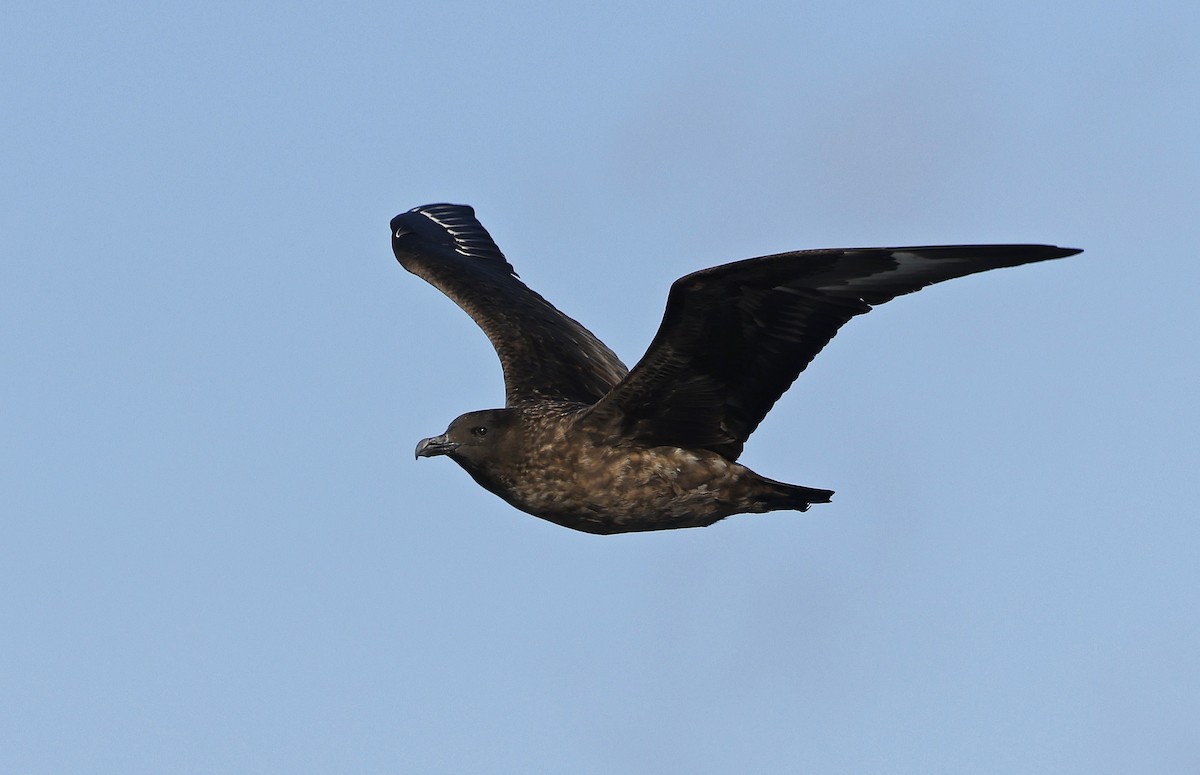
x=588 y=444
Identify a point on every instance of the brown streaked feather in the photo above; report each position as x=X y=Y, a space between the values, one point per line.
x=545 y=354
x=734 y=337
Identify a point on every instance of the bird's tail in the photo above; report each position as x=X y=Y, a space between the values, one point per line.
x=780 y=495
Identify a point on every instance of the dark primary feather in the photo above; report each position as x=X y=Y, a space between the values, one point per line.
x=734 y=337
x=544 y=353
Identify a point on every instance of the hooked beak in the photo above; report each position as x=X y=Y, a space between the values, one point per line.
x=437 y=445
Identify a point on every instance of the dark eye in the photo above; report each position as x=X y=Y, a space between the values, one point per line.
x=479 y=430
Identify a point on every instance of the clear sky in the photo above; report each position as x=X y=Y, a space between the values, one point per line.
x=219 y=555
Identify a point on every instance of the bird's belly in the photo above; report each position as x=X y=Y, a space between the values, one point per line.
x=615 y=490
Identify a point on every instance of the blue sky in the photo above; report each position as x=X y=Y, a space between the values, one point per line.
x=220 y=556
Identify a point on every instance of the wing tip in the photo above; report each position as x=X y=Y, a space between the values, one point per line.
x=448 y=225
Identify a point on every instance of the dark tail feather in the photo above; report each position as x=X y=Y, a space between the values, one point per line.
x=781 y=495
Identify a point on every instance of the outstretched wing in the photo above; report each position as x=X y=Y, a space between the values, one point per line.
x=544 y=353
x=734 y=337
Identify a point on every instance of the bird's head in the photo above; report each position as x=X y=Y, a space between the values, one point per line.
x=473 y=438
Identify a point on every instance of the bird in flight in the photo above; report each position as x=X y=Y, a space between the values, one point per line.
x=586 y=443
